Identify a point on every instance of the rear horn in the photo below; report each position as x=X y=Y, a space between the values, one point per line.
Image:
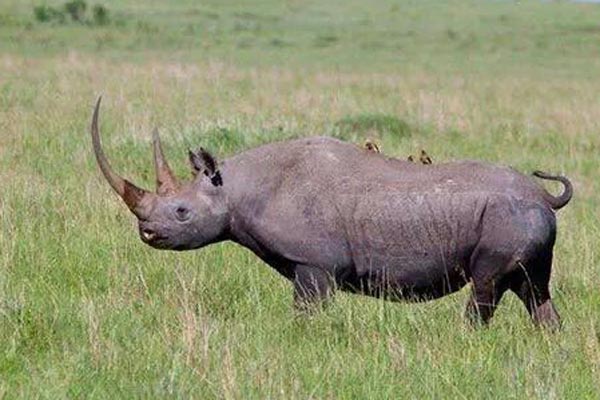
x=166 y=182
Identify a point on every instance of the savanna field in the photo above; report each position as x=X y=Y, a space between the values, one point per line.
x=88 y=311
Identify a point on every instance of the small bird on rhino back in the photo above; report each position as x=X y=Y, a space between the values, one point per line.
x=328 y=216
x=372 y=146
x=423 y=158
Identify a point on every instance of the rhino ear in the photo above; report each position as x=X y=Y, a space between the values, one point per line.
x=203 y=162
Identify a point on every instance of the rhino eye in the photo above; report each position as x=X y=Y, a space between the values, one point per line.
x=182 y=213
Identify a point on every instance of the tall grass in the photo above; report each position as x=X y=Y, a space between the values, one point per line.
x=86 y=310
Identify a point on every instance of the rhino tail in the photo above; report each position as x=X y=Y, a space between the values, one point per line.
x=557 y=202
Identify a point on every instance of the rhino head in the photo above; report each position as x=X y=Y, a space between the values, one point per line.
x=178 y=216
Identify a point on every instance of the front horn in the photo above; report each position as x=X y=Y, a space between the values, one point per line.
x=131 y=194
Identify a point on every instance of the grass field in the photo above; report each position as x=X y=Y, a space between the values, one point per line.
x=88 y=311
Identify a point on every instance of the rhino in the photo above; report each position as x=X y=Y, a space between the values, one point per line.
x=327 y=215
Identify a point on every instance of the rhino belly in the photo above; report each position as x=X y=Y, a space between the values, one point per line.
x=413 y=280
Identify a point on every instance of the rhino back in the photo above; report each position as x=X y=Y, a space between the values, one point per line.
x=310 y=165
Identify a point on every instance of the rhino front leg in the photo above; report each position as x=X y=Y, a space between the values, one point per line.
x=312 y=286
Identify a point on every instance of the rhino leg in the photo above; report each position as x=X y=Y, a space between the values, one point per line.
x=531 y=285
x=489 y=285
x=312 y=286
x=483 y=301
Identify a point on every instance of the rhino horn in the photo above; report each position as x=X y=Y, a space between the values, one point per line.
x=132 y=195
x=166 y=182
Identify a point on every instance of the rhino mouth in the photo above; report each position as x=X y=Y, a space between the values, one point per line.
x=152 y=238
x=158 y=241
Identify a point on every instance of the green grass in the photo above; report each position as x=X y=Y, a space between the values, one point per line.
x=499 y=36
x=87 y=310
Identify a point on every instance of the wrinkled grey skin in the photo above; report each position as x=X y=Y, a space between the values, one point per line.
x=328 y=215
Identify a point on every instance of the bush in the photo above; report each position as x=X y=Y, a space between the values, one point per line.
x=76 y=9
x=100 y=15
x=48 y=14
x=42 y=13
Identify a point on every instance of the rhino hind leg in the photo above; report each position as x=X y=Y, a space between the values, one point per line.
x=489 y=285
x=484 y=299
x=482 y=304
x=531 y=285
x=514 y=252
x=528 y=277
x=312 y=287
